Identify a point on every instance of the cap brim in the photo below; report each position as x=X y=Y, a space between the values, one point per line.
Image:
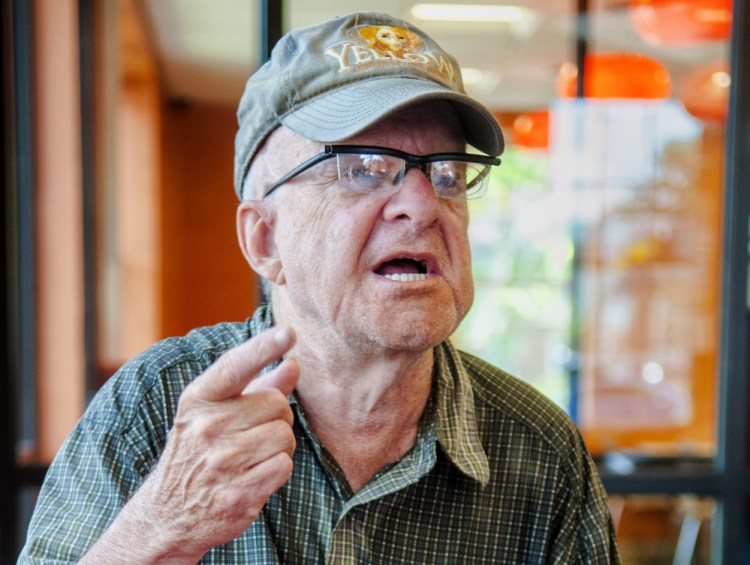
x=343 y=113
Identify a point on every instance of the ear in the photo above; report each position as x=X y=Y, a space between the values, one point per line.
x=255 y=232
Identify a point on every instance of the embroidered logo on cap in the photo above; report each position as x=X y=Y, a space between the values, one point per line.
x=388 y=40
x=386 y=46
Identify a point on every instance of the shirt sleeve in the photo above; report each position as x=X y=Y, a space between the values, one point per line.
x=586 y=532
x=118 y=441
x=101 y=464
x=88 y=483
x=596 y=534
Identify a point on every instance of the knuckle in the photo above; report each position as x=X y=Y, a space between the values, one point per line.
x=253 y=511
x=203 y=427
x=283 y=436
x=188 y=398
x=272 y=403
x=235 y=501
x=205 y=432
x=291 y=445
x=217 y=462
x=288 y=441
x=284 y=466
x=275 y=472
x=277 y=399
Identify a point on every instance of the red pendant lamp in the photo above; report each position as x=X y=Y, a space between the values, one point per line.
x=681 y=22
x=617 y=75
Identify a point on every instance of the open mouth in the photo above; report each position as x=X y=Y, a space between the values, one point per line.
x=403 y=269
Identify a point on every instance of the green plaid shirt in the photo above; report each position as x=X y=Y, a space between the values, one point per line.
x=498 y=474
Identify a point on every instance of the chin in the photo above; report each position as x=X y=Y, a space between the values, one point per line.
x=415 y=323
x=414 y=333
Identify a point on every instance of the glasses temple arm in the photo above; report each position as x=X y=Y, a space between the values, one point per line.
x=298 y=171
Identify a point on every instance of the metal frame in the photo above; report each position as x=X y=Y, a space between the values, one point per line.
x=87 y=59
x=733 y=458
x=271 y=22
x=18 y=242
x=19 y=274
x=7 y=423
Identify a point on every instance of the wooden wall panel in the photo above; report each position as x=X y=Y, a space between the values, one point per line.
x=204 y=276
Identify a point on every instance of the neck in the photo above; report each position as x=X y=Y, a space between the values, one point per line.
x=363 y=401
x=366 y=411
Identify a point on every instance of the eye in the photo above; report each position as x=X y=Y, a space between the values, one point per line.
x=448 y=176
x=325 y=173
x=364 y=173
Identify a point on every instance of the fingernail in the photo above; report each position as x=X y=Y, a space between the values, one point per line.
x=283 y=337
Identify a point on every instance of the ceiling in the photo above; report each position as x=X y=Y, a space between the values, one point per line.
x=208 y=49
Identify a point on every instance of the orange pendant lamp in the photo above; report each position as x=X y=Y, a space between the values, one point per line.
x=617 y=75
x=531 y=130
x=704 y=91
x=681 y=22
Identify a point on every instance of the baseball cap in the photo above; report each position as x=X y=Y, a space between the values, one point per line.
x=332 y=80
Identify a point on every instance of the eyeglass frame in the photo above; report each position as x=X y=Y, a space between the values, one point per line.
x=419 y=161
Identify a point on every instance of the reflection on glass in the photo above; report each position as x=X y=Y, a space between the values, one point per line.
x=596 y=263
x=645 y=182
x=522 y=253
x=656 y=530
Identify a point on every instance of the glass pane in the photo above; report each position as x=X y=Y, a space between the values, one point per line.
x=649 y=184
x=648 y=240
x=656 y=530
x=597 y=255
x=522 y=252
x=520 y=230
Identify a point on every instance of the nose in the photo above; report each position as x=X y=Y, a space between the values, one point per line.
x=415 y=202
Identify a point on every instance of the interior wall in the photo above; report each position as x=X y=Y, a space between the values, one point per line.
x=205 y=279
x=60 y=304
x=132 y=244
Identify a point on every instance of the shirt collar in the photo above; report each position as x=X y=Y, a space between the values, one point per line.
x=455 y=415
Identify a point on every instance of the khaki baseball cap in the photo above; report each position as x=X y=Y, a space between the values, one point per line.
x=330 y=81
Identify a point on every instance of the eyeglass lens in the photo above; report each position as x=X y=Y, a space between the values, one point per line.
x=385 y=173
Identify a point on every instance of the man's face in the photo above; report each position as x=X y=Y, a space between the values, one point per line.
x=340 y=249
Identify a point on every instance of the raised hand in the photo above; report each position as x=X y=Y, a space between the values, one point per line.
x=229 y=449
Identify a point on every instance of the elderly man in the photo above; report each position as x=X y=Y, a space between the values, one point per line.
x=337 y=425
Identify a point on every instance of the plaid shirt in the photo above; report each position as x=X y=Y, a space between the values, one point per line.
x=498 y=474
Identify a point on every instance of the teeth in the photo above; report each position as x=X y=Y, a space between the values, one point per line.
x=407 y=277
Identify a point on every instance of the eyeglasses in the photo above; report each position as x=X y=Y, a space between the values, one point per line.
x=381 y=170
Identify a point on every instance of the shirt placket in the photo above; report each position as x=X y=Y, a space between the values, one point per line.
x=348 y=543
x=357 y=524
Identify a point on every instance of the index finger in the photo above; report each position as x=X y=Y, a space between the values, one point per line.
x=232 y=372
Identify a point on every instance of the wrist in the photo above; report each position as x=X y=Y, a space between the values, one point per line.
x=142 y=533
